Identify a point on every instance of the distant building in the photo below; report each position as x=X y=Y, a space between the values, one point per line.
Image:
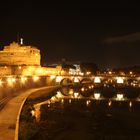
x=16 y=54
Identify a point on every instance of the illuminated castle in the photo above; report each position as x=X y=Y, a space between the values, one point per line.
x=18 y=54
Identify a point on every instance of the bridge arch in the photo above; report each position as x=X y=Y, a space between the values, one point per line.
x=65 y=81
x=85 y=80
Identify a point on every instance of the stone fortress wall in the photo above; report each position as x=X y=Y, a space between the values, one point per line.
x=17 y=59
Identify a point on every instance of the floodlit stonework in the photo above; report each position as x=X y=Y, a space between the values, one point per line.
x=17 y=59
x=16 y=54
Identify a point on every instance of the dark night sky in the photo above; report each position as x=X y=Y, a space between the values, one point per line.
x=107 y=34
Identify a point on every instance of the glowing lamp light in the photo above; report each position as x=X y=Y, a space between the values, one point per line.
x=23 y=79
x=109 y=103
x=58 y=79
x=10 y=81
x=130 y=104
x=97 y=96
x=13 y=80
x=88 y=102
x=110 y=72
x=52 y=76
x=88 y=72
x=71 y=91
x=76 y=94
x=120 y=80
x=62 y=101
x=131 y=72
x=81 y=73
x=35 y=78
x=120 y=97
x=97 y=80
x=58 y=95
x=82 y=89
x=33 y=113
x=0 y=82
x=53 y=99
x=76 y=80
x=19 y=67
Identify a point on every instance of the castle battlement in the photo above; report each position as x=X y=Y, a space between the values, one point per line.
x=16 y=54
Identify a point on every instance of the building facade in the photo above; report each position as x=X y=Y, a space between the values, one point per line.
x=16 y=54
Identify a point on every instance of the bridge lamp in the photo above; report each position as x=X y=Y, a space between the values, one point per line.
x=13 y=80
x=52 y=77
x=120 y=80
x=109 y=103
x=62 y=101
x=71 y=91
x=88 y=102
x=76 y=80
x=33 y=112
x=130 y=104
x=110 y=72
x=76 y=94
x=83 y=89
x=97 y=96
x=81 y=73
x=130 y=72
x=35 y=78
x=120 y=97
x=10 y=81
x=58 y=79
x=19 y=67
x=23 y=79
x=97 y=80
x=88 y=73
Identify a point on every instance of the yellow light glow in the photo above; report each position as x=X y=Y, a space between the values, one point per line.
x=130 y=104
x=58 y=79
x=88 y=102
x=59 y=95
x=120 y=96
x=19 y=67
x=97 y=96
x=71 y=91
x=120 y=80
x=88 y=73
x=62 y=101
x=90 y=87
x=1 y=82
x=76 y=80
x=23 y=79
x=131 y=72
x=97 y=80
x=82 y=89
x=53 y=99
x=76 y=94
x=81 y=73
x=10 y=81
x=110 y=72
x=52 y=76
x=33 y=112
x=109 y=103
x=13 y=80
x=35 y=78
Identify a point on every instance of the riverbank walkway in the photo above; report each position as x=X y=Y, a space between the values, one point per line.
x=9 y=115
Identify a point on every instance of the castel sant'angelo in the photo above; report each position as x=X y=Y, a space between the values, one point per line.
x=19 y=59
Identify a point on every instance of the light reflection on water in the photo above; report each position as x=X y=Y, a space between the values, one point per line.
x=69 y=95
